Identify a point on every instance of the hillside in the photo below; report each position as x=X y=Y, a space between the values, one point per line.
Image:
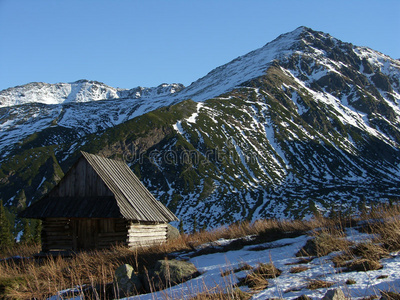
x=305 y=124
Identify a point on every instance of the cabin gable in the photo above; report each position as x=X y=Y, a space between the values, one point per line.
x=81 y=181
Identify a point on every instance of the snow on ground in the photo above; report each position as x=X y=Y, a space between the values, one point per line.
x=288 y=285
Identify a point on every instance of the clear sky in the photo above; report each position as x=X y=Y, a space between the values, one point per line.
x=145 y=43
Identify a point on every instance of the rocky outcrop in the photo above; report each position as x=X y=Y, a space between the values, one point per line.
x=163 y=274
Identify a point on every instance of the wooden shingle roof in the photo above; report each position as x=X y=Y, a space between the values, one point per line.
x=131 y=199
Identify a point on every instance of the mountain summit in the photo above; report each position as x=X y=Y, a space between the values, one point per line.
x=306 y=124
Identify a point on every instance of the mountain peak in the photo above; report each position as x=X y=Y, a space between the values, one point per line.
x=248 y=66
x=305 y=122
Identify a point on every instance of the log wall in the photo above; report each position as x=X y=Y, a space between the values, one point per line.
x=82 y=234
x=143 y=235
x=60 y=234
x=57 y=234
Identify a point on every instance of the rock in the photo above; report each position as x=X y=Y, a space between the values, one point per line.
x=336 y=294
x=172 y=233
x=166 y=273
x=127 y=282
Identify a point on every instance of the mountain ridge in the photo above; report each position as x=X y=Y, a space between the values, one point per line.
x=305 y=124
x=79 y=91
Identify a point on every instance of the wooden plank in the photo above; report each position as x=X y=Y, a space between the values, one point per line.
x=148 y=225
x=135 y=239
x=130 y=231
x=145 y=244
x=148 y=234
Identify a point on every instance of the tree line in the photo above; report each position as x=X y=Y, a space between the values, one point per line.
x=30 y=233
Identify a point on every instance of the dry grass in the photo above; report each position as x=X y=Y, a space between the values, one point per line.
x=350 y=281
x=241 y=267
x=370 y=250
x=389 y=234
x=258 y=278
x=319 y=284
x=39 y=278
x=298 y=269
x=235 y=293
x=343 y=258
x=20 y=249
x=325 y=241
x=362 y=265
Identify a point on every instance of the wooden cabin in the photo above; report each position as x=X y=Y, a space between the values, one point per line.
x=99 y=203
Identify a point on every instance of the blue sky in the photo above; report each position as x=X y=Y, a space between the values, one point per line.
x=130 y=43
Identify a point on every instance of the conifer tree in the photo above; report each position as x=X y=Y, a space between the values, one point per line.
x=181 y=231
x=26 y=237
x=5 y=228
x=194 y=224
x=38 y=232
x=21 y=200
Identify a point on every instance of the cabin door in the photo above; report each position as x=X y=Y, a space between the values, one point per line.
x=86 y=233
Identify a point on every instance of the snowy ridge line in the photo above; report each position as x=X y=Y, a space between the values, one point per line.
x=80 y=91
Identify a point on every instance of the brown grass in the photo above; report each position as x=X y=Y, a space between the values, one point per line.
x=29 y=278
x=235 y=293
x=319 y=284
x=298 y=269
x=241 y=267
x=370 y=250
x=39 y=278
x=350 y=281
x=342 y=259
x=325 y=241
x=20 y=249
x=258 y=278
x=362 y=265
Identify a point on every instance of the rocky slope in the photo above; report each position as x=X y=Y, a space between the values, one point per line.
x=306 y=123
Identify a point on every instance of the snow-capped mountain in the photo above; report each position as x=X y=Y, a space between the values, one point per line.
x=77 y=92
x=301 y=125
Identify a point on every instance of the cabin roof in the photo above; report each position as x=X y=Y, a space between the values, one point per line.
x=131 y=199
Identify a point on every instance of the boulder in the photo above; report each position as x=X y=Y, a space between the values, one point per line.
x=335 y=294
x=126 y=281
x=172 y=233
x=166 y=273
